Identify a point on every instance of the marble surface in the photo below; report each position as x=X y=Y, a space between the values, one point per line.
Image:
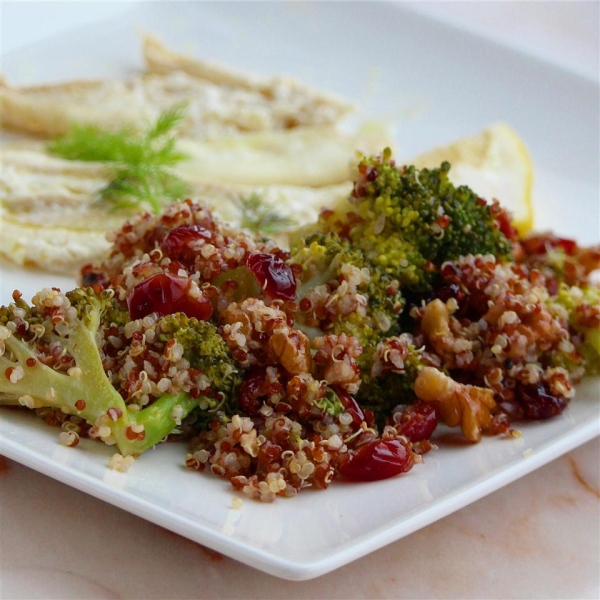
x=536 y=538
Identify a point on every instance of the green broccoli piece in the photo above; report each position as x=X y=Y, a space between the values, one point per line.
x=397 y=228
x=387 y=384
x=409 y=221
x=333 y=271
x=204 y=348
x=583 y=308
x=65 y=329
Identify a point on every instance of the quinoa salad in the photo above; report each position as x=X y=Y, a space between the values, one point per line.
x=410 y=305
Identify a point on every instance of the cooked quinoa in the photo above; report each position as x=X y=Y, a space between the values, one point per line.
x=489 y=343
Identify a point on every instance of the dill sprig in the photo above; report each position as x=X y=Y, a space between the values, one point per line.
x=140 y=164
x=259 y=217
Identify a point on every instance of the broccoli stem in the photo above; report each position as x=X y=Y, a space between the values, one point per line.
x=56 y=389
x=158 y=421
x=50 y=388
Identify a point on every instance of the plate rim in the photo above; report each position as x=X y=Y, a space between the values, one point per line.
x=272 y=563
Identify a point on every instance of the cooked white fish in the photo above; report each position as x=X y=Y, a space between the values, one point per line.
x=57 y=249
x=313 y=106
x=50 y=217
x=243 y=134
x=220 y=101
x=306 y=156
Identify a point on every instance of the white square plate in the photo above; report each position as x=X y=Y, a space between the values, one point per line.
x=435 y=83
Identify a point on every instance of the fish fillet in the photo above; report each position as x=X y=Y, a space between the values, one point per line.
x=50 y=216
x=220 y=101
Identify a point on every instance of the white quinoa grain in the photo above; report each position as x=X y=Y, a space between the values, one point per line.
x=120 y=463
x=237 y=503
x=27 y=401
x=16 y=374
x=177 y=414
x=68 y=438
x=75 y=372
x=335 y=442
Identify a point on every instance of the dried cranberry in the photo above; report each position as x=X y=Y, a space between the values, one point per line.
x=372 y=175
x=538 y=403
x=453 y=290
x=470 y=296
x=417 y=422
x=542 y=243
x=274 y=276
x=92 y=278
x=376 y=460
x=569 y=246
x=251 y=391
x=178 y=242
x=351 y=405
x=165 y=294
x=369 y=418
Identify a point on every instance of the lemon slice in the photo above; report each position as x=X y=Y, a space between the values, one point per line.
x=495 y=164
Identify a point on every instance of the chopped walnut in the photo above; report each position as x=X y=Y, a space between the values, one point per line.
x=436 y=320
x=248 y=328
x=464 y=405
x=292 y=349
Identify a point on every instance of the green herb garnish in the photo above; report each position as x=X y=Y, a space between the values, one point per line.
x=140 y=163
x=259 y=217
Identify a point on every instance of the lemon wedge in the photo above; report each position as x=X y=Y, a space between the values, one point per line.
x=494 y=163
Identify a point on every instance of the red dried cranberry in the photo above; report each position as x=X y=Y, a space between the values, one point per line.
x=452 y=290
x=569 y=246
x=274 y=276
x=165 y=294
x=372 y=175
x=92 y=278
x=352 y=407
x=177 y=243
x=542 y=243
x=376 y=460
x=451 y=272
x=369 y=418
x=251 y=391
x=538 y=402
x=417 y=422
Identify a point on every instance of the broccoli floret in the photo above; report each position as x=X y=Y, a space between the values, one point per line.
x=387 y=241
x=341 y=291
x=409 y=221
x=583 y=309
x=50 y=357
x=204 y=348
x=394 y=366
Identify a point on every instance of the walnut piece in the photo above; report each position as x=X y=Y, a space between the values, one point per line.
x=464 y=405
x=291 y=348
